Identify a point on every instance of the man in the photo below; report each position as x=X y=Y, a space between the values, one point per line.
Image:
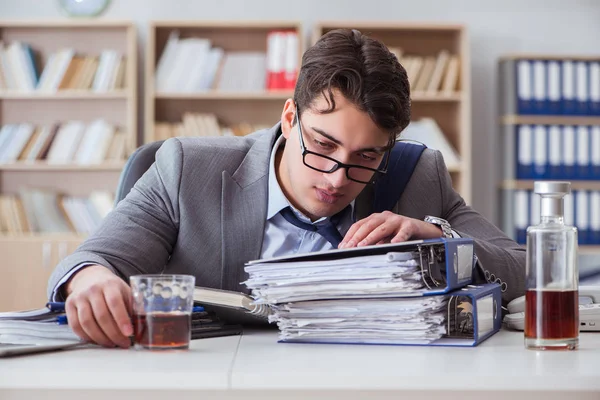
x=208 y=205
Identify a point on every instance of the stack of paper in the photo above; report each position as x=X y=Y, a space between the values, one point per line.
x=361 y=299
x=418 y=320
x=387 y=275
x=34 y=326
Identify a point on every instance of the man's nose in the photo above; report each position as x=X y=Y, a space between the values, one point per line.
x=337 y=178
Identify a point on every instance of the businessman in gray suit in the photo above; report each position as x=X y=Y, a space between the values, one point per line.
x=208 y=205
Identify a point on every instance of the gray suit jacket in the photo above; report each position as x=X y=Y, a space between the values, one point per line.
x=201 y=210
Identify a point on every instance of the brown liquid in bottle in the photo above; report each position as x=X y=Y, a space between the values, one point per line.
x=551 y=314
x=162 y=330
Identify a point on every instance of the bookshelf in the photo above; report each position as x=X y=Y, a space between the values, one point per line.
x=67 y=79
x=445 y=99
x=210 y=93
x=550 y=130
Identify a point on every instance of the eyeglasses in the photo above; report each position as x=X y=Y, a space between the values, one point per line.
x=328 y=165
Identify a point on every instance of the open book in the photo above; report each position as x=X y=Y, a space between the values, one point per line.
x=231 y=306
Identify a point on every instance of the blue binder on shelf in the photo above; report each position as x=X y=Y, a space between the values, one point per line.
x=582 y=86
x=524 y=87
x=472 y=315
x=524 y=144
x=554 y=103
x=594 y=98
x=568 y=85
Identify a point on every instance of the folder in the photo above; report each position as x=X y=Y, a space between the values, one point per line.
x=540 y=152
x=554 y=84
x=521 y=207
x=594 y=217
x=569 y=152
x=581 y=88
x=594 y=77
x=524 y=150
x=442 y=265
x=582 y=220
x=468 y=316
x=524 y=87
x=583 y=153
x=568 y=87
x=554 y=152
x=540 y=105
x=595 y=152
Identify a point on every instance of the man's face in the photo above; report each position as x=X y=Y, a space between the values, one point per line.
x=346 y=135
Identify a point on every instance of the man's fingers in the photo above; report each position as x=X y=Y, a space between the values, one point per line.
x=367 y=226
x=90 y=326
x=351 y=232
x=382 y=232
x=106 y=321
x=73 y=319
x=116 y=300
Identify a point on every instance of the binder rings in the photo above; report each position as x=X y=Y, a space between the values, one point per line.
x=471 y=315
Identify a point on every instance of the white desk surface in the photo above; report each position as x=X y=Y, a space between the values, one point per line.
x=255 y=366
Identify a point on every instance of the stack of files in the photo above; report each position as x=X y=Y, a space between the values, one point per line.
x=35 y=326
x=404 y=293
x=551 y=86
x=557 y=152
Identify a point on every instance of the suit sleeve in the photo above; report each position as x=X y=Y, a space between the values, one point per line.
x=500 y=259
x=138 y=236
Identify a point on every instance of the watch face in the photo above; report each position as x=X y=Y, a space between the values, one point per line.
x=83 y=8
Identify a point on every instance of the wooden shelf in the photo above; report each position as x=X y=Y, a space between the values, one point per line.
x=43 y=166
x=66 y=95
x=36 y=237
x=437 y=97
x=525 y=56
x=528 y=184
x=589 y=249
x=549 y=120
x=274 y=95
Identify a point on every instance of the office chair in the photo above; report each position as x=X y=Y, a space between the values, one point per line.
x=138 y=163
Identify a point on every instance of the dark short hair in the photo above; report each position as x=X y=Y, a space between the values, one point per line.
x=363 y=70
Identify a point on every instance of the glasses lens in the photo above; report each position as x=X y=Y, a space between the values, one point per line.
x=318 y=162
x=360 y=174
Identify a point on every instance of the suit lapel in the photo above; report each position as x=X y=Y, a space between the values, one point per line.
x=244 y=211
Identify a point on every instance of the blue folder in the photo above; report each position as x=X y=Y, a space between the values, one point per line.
x=473 y=314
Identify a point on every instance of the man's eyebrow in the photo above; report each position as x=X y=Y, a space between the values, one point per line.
x=379 y=150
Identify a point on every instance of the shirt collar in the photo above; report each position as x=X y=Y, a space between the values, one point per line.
x=276 y=199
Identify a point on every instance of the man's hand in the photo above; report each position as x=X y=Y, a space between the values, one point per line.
x=387 y=227
x=99 y=307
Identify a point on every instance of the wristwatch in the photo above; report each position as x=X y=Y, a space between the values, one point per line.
x=442 y=223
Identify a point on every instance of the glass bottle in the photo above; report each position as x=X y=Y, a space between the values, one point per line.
x=552 y=276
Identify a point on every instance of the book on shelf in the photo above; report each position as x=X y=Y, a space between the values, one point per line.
x=65 y=69
x=433 y=74
x=202 y=124
x=71 y=142
x=193 y=64
x=44 y=211
x=428 y=132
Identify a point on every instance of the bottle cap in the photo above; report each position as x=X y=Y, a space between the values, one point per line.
x=552 y=187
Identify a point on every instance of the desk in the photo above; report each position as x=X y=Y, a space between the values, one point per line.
x=254 y=366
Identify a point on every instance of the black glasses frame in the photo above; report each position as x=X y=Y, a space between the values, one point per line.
x=338 y=164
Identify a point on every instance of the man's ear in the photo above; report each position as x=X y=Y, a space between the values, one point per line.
x=287 y=117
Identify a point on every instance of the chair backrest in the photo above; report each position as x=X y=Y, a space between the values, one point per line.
x=138 y=163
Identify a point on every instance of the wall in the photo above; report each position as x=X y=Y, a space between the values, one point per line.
x=495 y=28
